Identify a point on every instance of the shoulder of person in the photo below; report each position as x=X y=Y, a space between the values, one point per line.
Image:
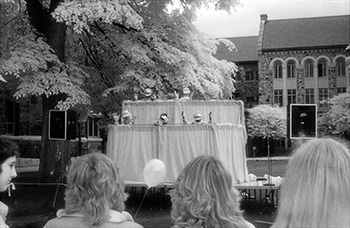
x=53 y=223
x=2 y=223
x=248 y=224
x=117 y=220
x=4 y=209
x=127 y=224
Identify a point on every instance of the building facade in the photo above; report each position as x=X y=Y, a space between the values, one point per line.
x=302 y=60
x=292 y=61
x=247 y=77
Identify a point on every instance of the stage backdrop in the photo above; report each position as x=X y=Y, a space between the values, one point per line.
x=132 y=146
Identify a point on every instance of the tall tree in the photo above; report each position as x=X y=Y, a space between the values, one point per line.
x=157 y=49
x=27 y=55
x=267 y=121
x=111 y=50
x=336 y=120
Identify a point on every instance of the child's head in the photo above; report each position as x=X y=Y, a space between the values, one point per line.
x=94 y=188
x=204 y=195
x=7 y=149
x=316 y=188
x=8 y=156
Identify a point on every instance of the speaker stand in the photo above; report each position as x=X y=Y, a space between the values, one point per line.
x=269 y=164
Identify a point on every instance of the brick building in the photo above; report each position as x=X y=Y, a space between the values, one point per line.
x=302 y=60
x=246 y=58
x=292 y=61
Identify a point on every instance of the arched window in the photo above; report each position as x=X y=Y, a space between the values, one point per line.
x=291 y=69
x=322 y=68
x=340 y=67
x=277 y=69
x=308 y=68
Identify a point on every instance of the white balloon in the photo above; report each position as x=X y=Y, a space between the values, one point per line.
x=154 y=172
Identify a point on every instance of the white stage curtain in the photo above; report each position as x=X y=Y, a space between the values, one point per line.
x=223 y=111
x=132 y=146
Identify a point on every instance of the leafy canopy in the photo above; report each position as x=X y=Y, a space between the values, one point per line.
x=26 y=56
x=336 y=120
x=114 y=49
x=267 y=121
x=154 y=48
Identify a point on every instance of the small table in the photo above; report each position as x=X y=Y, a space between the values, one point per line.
x=260 y=185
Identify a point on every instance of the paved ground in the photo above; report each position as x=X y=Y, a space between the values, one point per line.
x=32 y=203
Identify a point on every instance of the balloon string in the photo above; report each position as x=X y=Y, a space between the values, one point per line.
x=141 y=203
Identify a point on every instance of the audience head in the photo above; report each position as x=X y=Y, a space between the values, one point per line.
x=93 y=188
x=204 y=196
x=8 y=149
x=9 y=152
x=316 y=188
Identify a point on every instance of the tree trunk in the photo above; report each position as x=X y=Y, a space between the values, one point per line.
x=55 y=154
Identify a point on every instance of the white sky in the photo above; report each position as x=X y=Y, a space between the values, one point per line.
x=246 y=19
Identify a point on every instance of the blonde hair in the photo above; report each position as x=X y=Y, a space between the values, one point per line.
x=204 y=196
x=316 y=188
x=94 y=188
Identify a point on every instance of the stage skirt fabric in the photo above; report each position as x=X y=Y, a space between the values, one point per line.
x=132 y=146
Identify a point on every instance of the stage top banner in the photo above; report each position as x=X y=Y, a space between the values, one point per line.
x=222 y=111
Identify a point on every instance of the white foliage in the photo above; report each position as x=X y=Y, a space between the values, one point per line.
x=79 y=14
x=267 y=120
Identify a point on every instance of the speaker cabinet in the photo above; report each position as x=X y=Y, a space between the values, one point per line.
x=303 y=121
x=62 y=124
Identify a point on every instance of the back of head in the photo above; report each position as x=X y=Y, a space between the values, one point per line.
x=93 y=188
x=204 y=196
x=316 y=189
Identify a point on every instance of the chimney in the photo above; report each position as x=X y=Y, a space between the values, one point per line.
x=263 y=17
x=263 y=21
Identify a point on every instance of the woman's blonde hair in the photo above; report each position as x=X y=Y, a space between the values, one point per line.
x=204 y=196
x=94 y=188
x=316 y=188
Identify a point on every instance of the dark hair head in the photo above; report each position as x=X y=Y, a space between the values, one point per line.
x=8 y=149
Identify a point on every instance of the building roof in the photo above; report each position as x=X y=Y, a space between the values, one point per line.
x=246 y=50
x=306 y=32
